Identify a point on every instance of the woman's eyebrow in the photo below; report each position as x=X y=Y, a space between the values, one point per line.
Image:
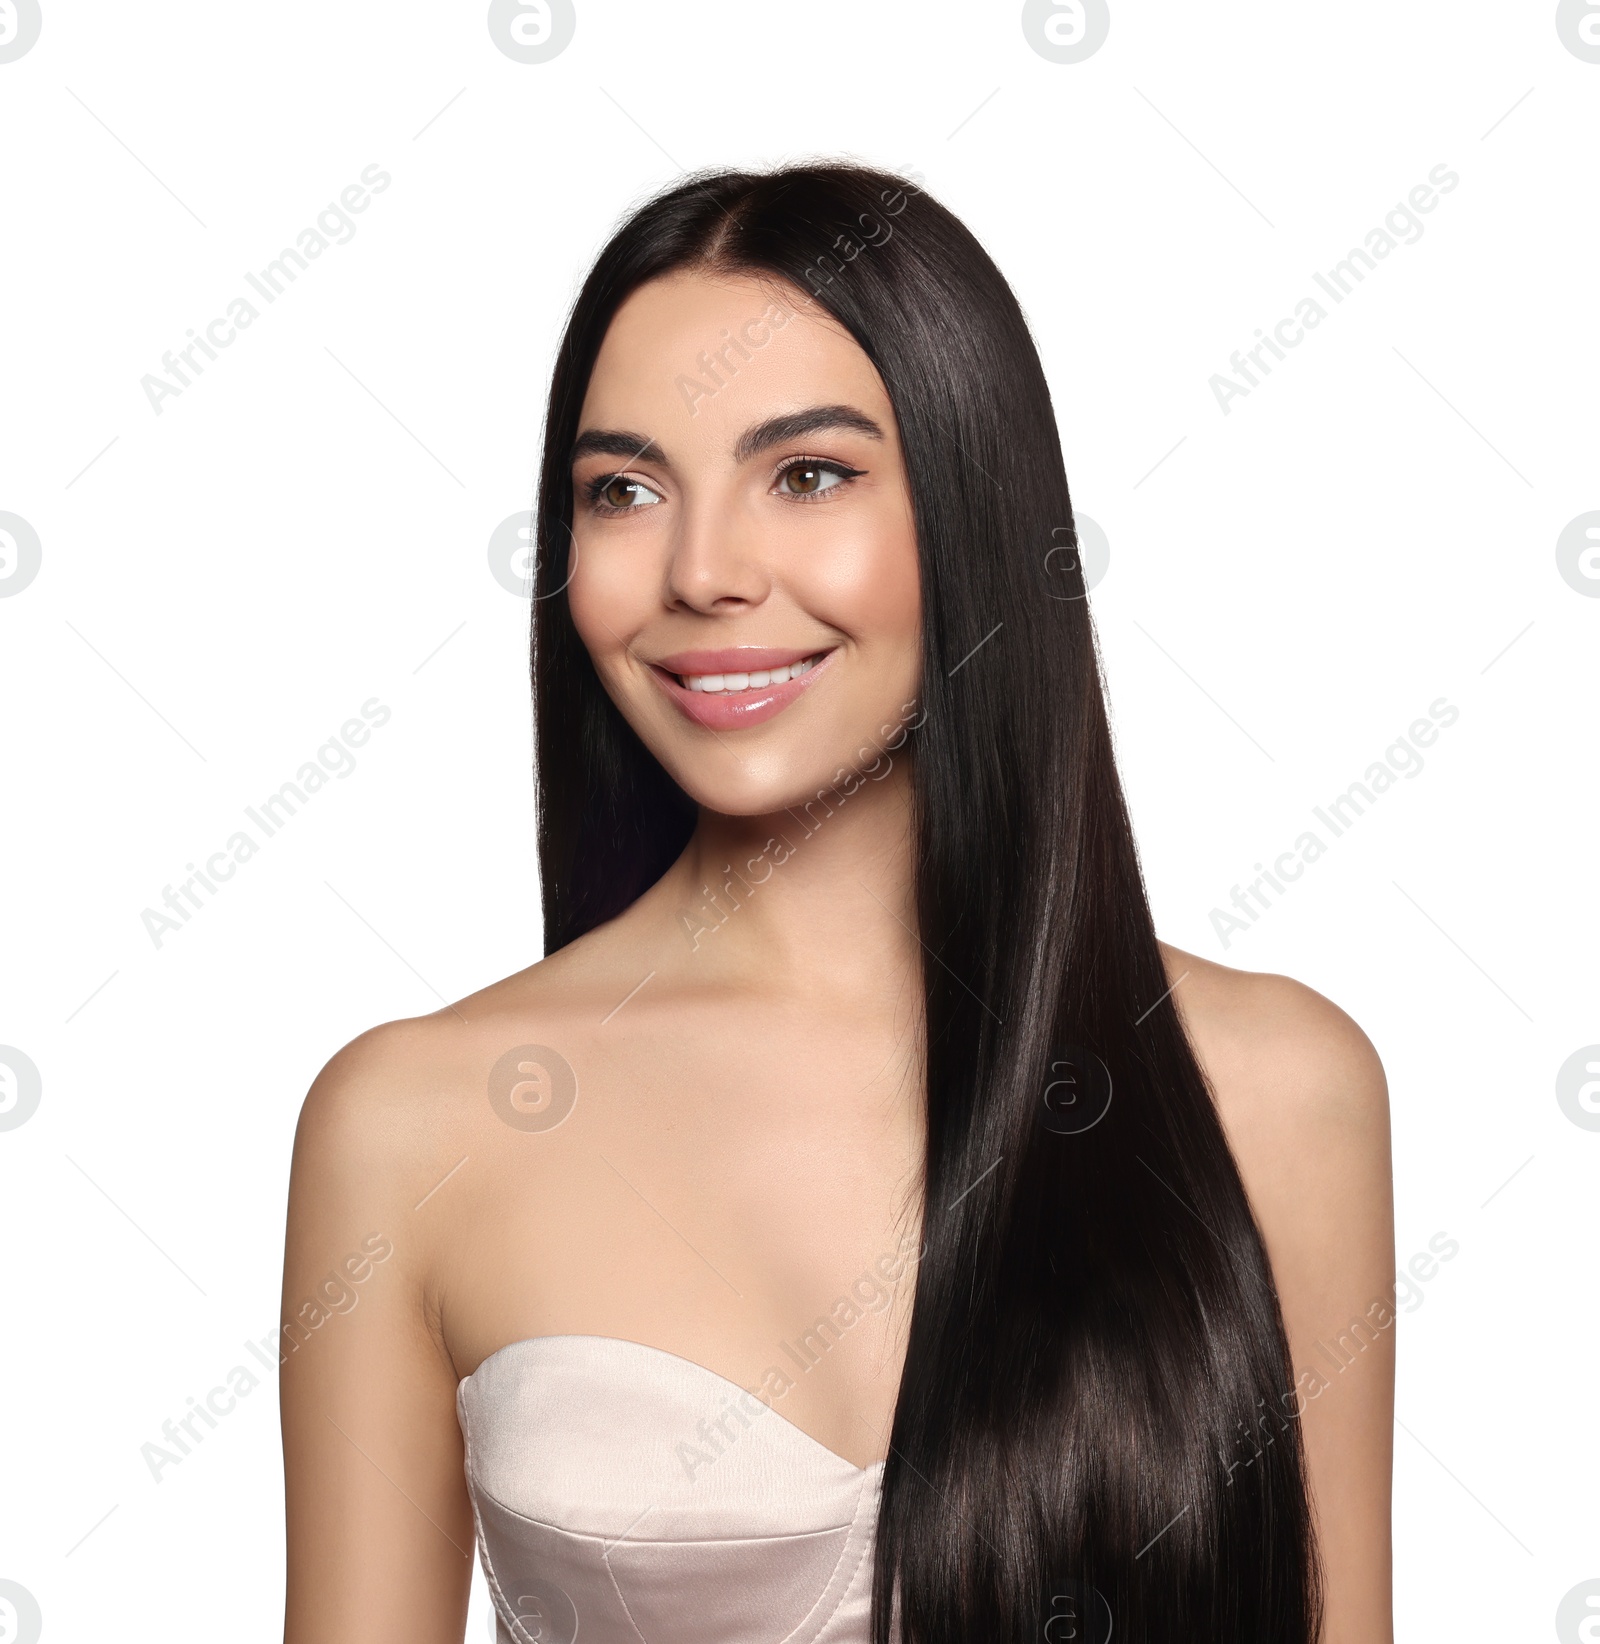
x=792 y=425
x=617 y=442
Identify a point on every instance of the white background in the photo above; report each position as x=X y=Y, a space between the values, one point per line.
x=305 y=527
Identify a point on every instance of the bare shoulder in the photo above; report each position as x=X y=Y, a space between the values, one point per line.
x=392 y=1109
x=1282 y=1060
x=398 y=1152
x=1304 y=1103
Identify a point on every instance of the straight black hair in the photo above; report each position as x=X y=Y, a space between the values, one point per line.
x=1095 y=1434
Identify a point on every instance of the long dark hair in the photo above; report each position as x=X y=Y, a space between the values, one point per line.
x=1095 y=1426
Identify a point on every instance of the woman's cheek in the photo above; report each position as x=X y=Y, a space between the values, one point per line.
x=603 y=600
x=870 y=579
x=880 y=604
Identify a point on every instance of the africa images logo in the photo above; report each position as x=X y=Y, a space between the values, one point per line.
x=1402 y=225
x=20 y=22
x=334 y=225
x=533 y=1088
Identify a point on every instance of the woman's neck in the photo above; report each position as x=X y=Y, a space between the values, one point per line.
x=819 y=896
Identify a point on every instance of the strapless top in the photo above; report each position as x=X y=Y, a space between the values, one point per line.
x=624 y=1495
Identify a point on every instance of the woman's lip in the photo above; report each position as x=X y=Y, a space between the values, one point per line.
x=734 y=659
x=734 y=710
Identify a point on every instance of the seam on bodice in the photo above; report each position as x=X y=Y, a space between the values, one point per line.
x=842 y=1579
x=857 y=1545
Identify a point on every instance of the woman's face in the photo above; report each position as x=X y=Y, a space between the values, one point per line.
x=744 y=569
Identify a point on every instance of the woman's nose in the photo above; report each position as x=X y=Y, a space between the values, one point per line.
x=716 y=560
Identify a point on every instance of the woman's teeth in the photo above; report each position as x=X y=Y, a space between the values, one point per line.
x=755 y=681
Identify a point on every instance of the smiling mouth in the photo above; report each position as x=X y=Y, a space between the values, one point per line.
x=739 y=697
x=757 y=679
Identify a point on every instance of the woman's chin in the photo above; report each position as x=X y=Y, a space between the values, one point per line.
x=773 y=792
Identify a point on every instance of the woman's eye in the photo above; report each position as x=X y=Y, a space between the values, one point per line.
x=618 y=492
x=806 y=479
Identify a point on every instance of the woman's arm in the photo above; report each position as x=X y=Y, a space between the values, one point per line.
x=379 y=1524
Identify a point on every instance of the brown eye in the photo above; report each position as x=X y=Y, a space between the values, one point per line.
x=810 y=479
x=618 y=493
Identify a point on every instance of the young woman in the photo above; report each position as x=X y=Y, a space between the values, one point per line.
x=858 y=1225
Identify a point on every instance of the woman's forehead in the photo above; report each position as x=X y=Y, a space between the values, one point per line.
x=711 y=352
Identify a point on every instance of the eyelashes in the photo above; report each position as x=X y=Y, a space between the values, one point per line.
x=595 y=493
x=820 y=467
x=817 y=477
